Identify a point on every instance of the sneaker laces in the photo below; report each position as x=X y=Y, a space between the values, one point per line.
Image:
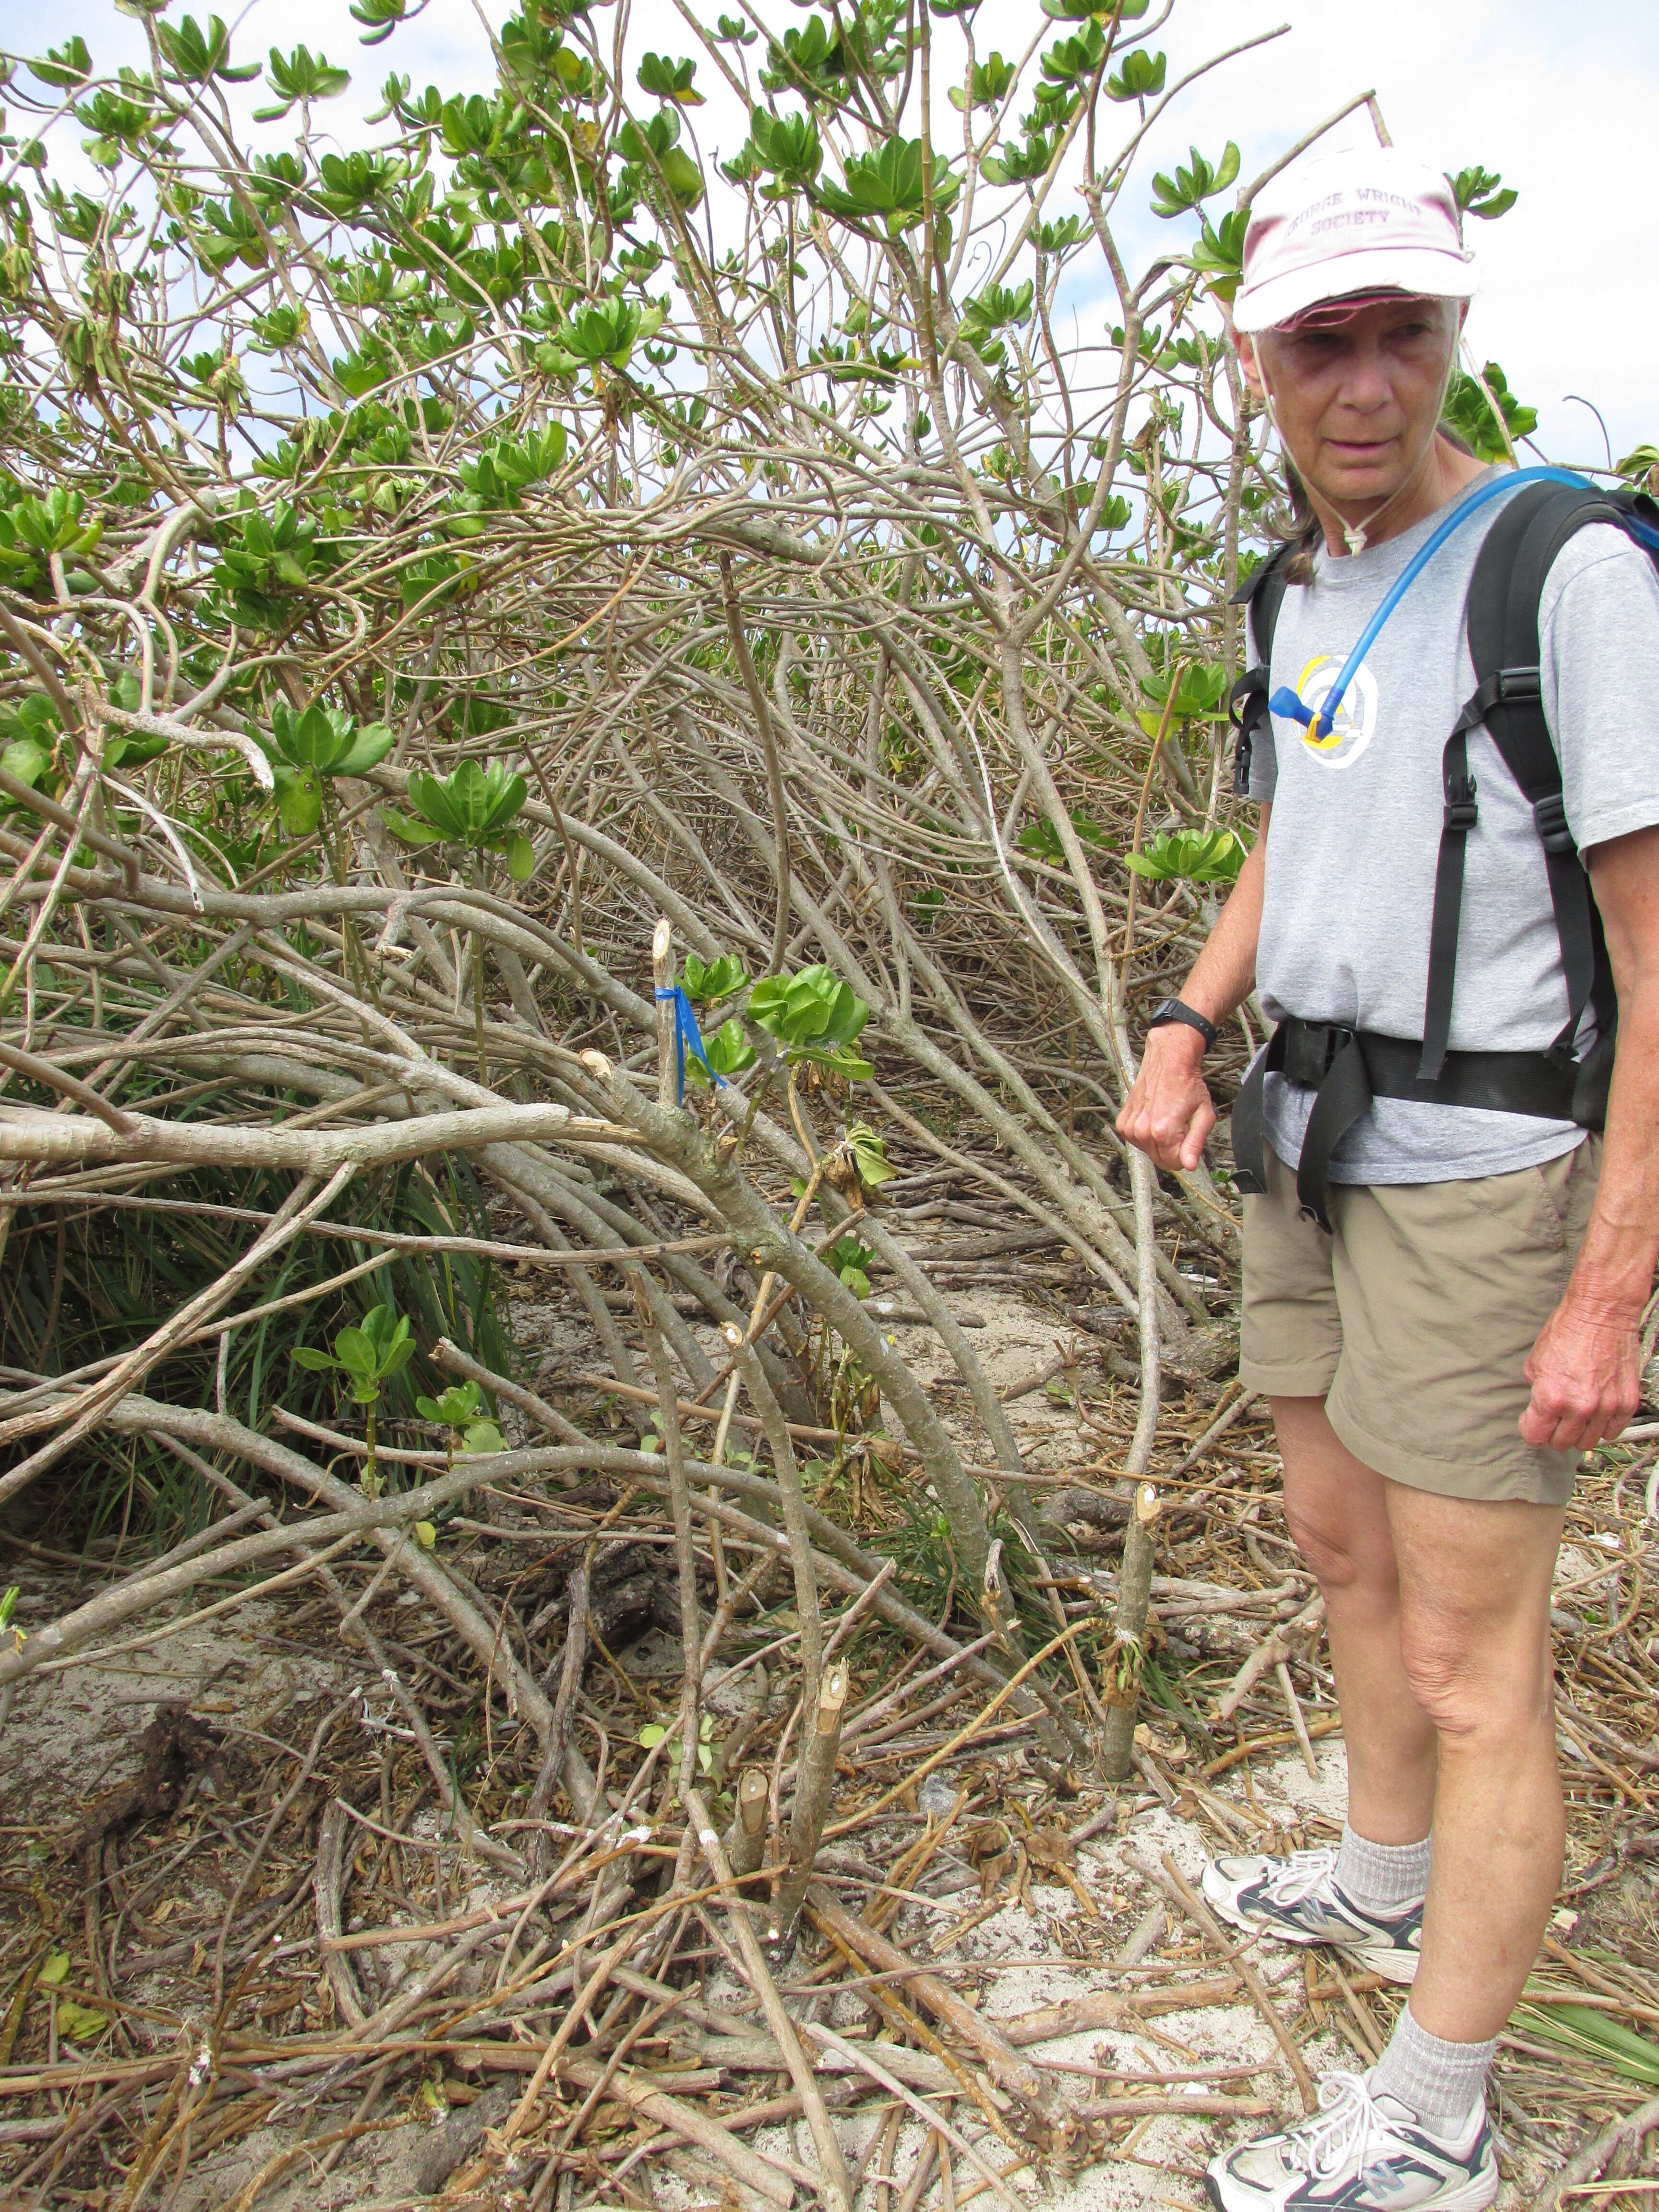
x=1347 y=2119
x=1299 y=1875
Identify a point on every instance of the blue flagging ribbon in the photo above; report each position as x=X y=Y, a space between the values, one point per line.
x=1322 y=721
x=686 y=1034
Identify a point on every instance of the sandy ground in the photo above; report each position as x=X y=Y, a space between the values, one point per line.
x=70 y=1735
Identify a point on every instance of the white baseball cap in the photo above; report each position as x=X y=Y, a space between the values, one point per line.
x=1375 y=220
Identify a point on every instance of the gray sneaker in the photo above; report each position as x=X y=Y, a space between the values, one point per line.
x=1297 y=1901
x=1362 y=2153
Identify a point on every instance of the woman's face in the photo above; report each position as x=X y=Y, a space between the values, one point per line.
x=1357 y=404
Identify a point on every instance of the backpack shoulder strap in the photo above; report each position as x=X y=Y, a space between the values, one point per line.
x=1502 y=619
x=1262 y=593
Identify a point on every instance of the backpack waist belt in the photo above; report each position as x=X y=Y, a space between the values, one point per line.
x=1347 y=1068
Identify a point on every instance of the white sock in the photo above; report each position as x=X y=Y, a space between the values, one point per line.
x=1443 y=2083
x=1383 y=1878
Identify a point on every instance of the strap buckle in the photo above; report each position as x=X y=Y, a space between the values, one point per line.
x=1504 y=687
x=1461 y=813
x=1550 y=813
x=1510 y=687
x=1311 y=1049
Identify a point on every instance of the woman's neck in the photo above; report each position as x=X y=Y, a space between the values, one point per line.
x=1443 y=471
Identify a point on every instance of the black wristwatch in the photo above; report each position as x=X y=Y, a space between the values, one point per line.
x=1176 y=1010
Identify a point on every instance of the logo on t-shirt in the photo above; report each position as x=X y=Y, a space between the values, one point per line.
x=1355 y=719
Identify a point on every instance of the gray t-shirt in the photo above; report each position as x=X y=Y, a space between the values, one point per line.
x=1355 y=832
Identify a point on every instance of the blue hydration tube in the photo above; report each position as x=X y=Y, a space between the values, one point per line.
x=1288 y=703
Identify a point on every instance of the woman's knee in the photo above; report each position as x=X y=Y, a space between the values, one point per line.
x=1342 y=1556
x=1335 y=1505
x=1471 y=1682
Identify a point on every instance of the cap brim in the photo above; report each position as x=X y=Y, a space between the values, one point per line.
x=1421 y=270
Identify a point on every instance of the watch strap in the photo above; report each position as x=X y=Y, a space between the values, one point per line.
x=1176 y=1010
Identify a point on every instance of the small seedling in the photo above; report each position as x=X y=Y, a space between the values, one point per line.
x=369 y=1356
x=463 y=1412
x=654 y=1731
x=850 y=1261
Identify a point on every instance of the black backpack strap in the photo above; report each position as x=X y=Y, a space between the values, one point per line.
x=1501 y=619
x=1249 y=1130
x=1263 y=593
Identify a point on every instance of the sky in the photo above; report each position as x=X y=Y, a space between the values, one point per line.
x=1561 y=102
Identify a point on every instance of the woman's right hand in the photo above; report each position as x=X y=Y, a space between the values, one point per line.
x=1168 y=1112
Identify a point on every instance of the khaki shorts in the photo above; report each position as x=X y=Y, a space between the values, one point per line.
x=1414 y=1321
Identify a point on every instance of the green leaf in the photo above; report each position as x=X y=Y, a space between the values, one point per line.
x=382 y=18
x=813 y=1015
x=1019 y=165
x=80 y=2022
x=1141 y=77
x=28 y=760
x=1469 y=412
x=1194 y=856
x=652 y=1734
x=301 y=77
x=988 y=85
x=885 y=186
x=1076 y=11
x=460 y=1403
x=1482 y=192
x=1592 y=2034
x=668 y=80
x=366 y=749
x=604 y=332
x=481 y=1437
x=786 y=146
x=521 y=857
x=870 y=1156
x=316 y=739
x=1188 y=187
x=195 y=56
x=356 y=1353
x=704 y=984
x=997 y=307
x=56 y=1970
x=407 y=830
x=728 y=1050
x=1043 y=840
x=426 y=1533
x=64 y=66
x=1219 y=257
x=314 y=1362
x=1201 y=696
x=298 y=795
x=474 y=806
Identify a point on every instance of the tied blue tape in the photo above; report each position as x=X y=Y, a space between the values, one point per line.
x=686 y=1034
x=1323 y=720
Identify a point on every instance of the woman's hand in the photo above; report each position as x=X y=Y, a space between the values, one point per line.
x=1168 y=1112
